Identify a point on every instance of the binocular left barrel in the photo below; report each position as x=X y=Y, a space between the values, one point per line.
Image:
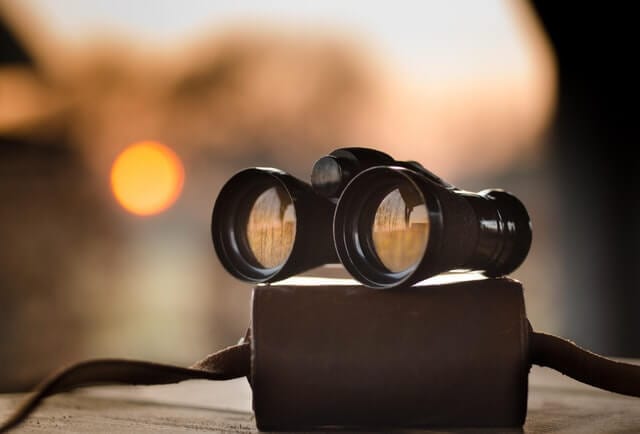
x=389 y=224
x=268 y=225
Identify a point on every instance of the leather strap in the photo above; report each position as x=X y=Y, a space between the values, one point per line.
x=566 y=357
x=231 y=362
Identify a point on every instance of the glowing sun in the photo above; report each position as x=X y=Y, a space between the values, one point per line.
x=147 y=178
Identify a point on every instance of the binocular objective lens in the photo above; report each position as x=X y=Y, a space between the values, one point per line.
x=400 y=229
x=271 y=227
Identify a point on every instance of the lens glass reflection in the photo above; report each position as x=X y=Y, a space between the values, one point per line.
x=400 y=229
x=271 y=227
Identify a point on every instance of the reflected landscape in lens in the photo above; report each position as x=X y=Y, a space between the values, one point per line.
x=400 y=230
x=271 y=227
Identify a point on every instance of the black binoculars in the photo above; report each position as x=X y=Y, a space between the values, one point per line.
x=390 y=223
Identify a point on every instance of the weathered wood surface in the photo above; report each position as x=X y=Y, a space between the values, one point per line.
x=556 y=405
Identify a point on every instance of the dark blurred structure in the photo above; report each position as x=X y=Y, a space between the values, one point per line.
x=593 y=149
x=12 y=52
x=36 y=170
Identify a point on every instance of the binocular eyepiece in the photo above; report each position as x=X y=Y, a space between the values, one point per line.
x=390 y=223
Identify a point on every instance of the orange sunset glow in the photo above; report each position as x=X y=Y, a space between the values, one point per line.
x=147 y=178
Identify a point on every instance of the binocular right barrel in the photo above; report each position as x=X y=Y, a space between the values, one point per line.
x=394 y=227
x=390 y=223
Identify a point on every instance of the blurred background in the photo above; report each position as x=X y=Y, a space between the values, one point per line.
x=120 y=121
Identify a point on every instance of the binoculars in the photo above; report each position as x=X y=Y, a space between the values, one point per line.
x=390 y=223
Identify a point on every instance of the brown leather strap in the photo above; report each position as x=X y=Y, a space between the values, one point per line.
x=231 y=362
x=566 y=357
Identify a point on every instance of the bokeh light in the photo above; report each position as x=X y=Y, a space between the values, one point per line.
x=147 y=178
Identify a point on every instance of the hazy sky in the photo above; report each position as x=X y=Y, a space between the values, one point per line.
x=450 y=37
x=447 y=71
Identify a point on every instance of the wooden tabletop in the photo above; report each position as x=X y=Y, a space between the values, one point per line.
x=557 y=404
